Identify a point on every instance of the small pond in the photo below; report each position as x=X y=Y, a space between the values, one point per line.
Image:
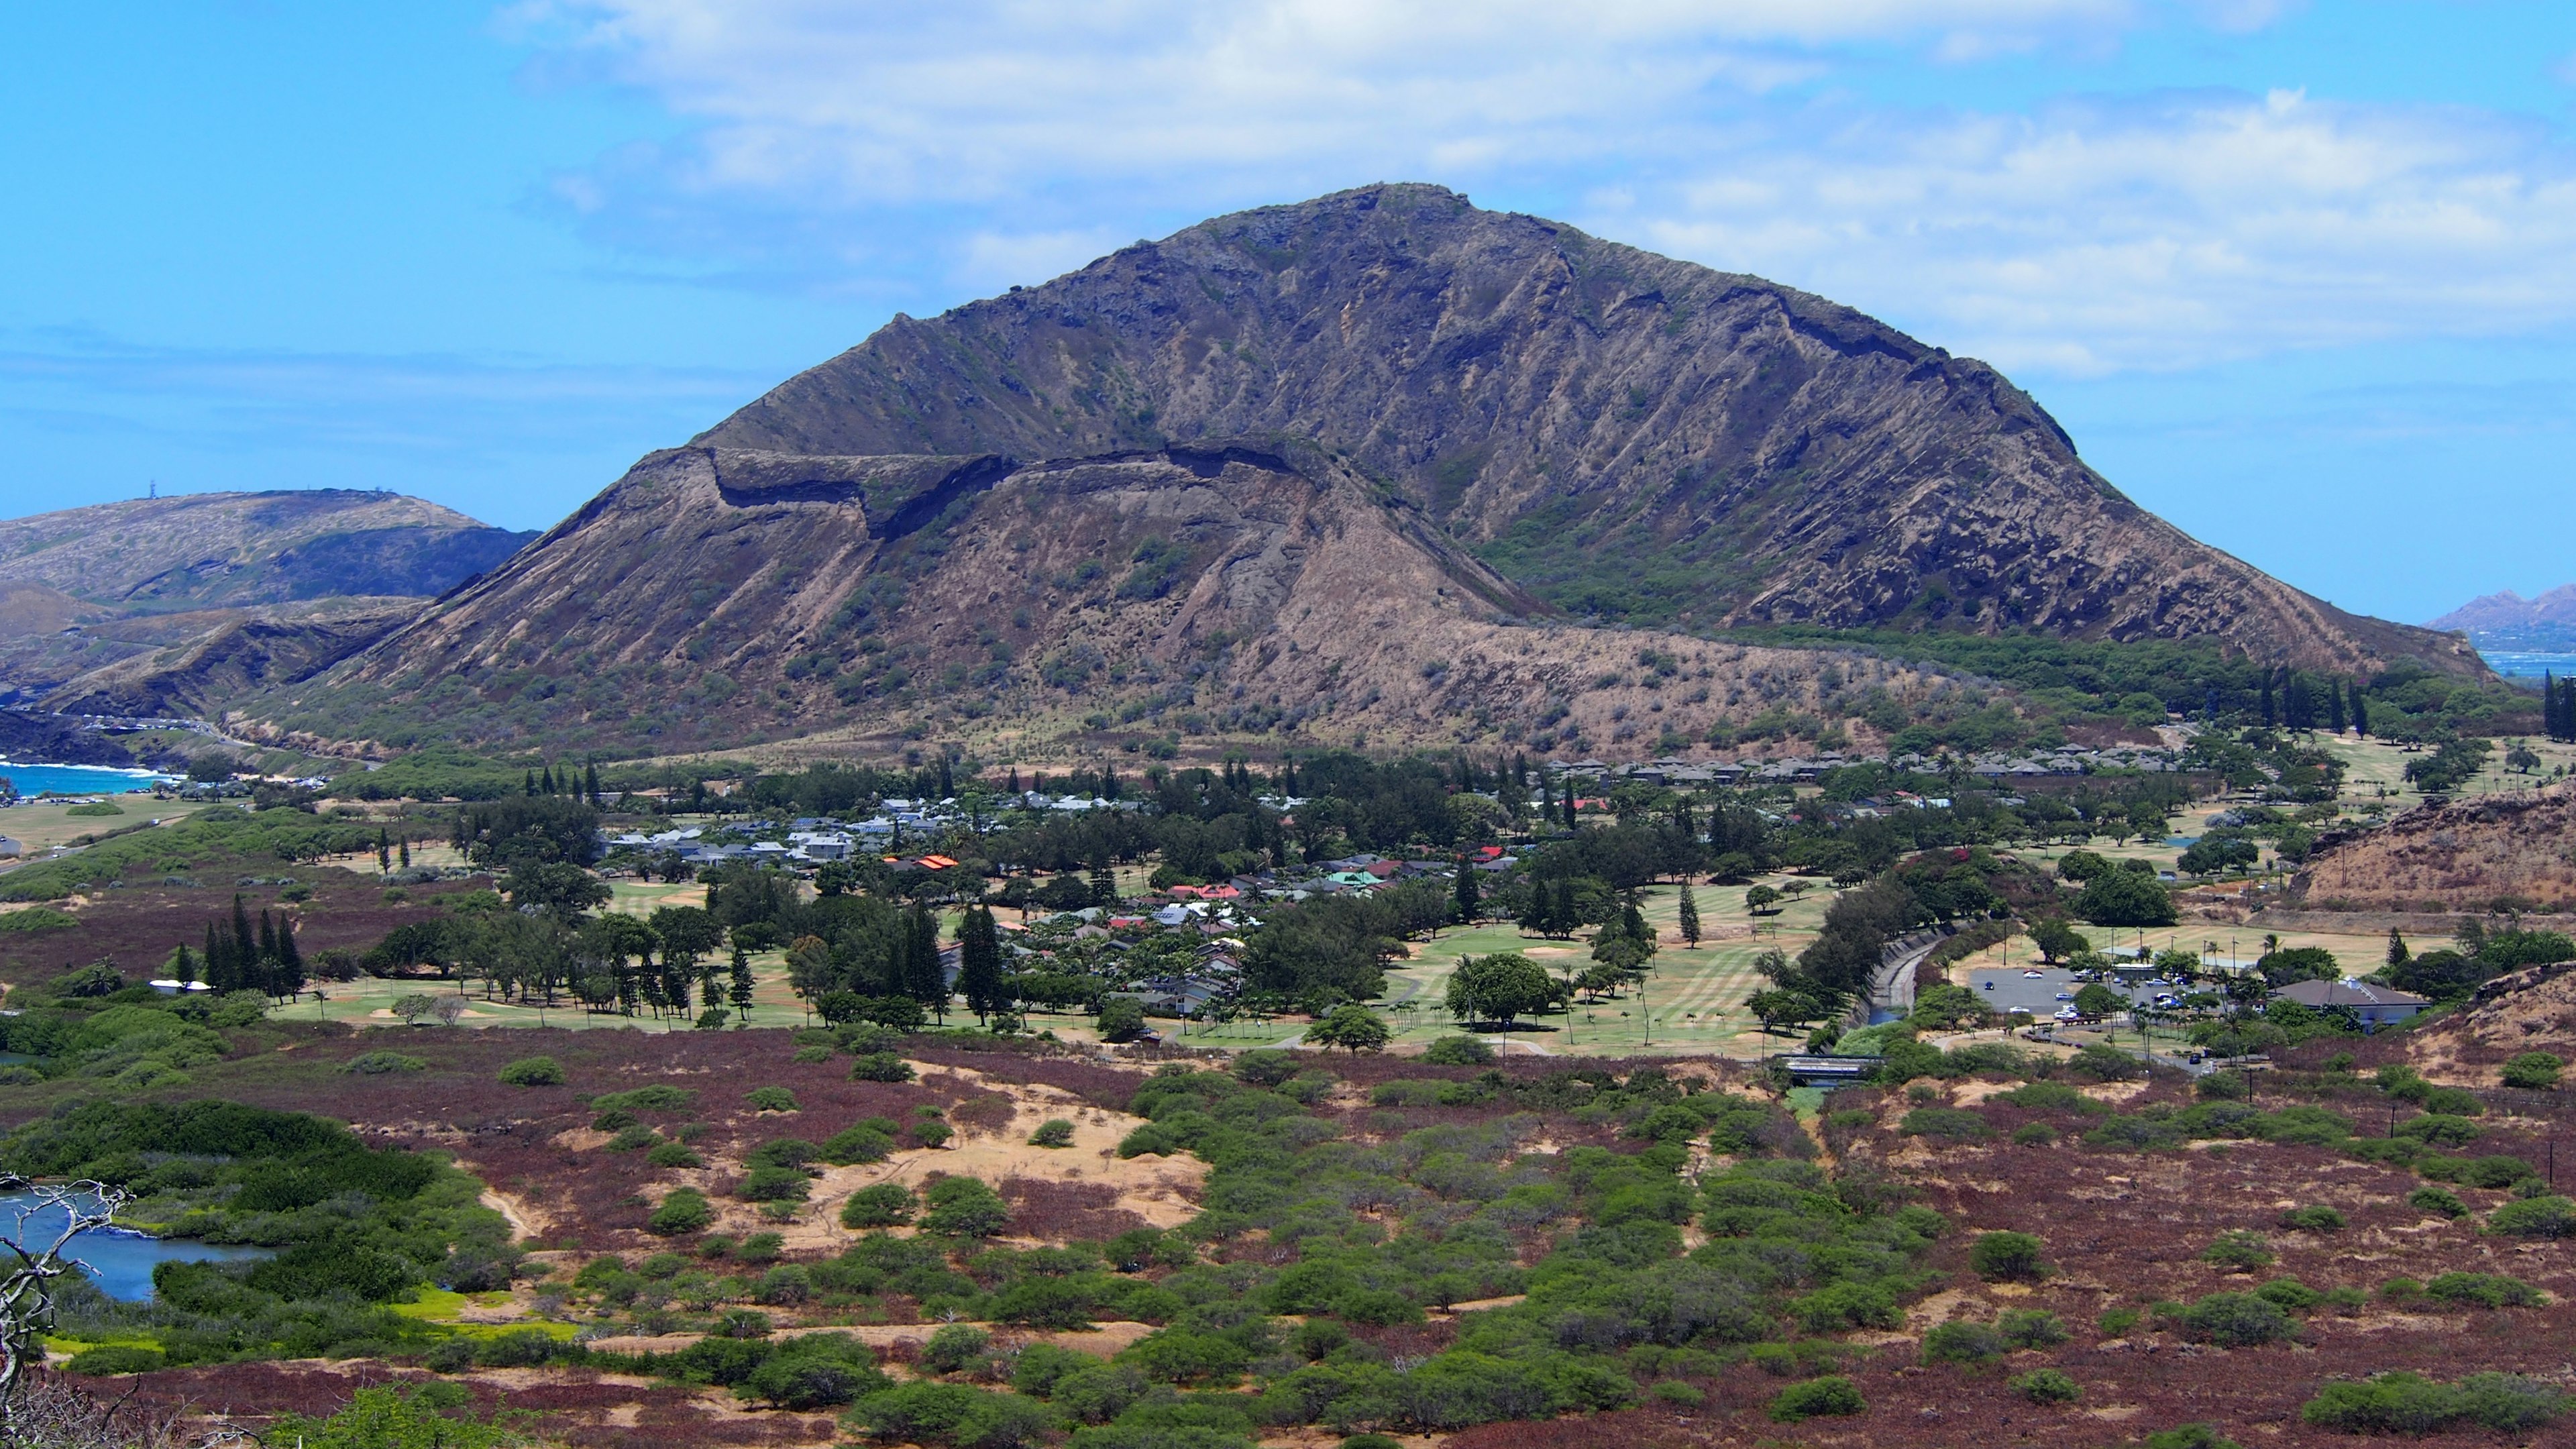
x=119 y=1261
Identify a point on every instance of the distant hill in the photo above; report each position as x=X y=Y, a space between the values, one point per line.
x=217 y=550
x=2510 y=621
x=171 y=605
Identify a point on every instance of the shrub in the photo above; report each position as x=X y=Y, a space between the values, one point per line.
x=1266 y=1067
x=2534 y=1072
x=2441 y=1129
x=963 y=1207
x=955 y=1346
x=682 y=1210
x=2116 y=1322
x=1957 y=1342
x=929 y=1412
x=2047 y=1386
x=930 y=1131
x=2406 y=1403
x=761 y=1247
x=2238 y=1250
x=880 y=1067
x=2189 y=1436
x=2000 y=1257
x=2535 y=1217
x=1459 y=1051
x=533 y=1072
x=634 y=1139
x=2235 y=1320
x=2034 y=1134
x=1376 y=1441
x=2484 y=1290
x=1674 y=1391
x=2031 y=1328
x=1818 y=1398
x=774 y=1184
x=885 y=1205
x=378 y=1064
x=867 y=1141
x=673 y=1154
x=2437 y=1200
x=2313 y=1219
x=771 y=1099
x=117 y=1358
x=1949 y=1124
x=2454 y=1102
x=1054 y=1132
x=2289 y=1295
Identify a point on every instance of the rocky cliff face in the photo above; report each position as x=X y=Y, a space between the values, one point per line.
x=1625 y=435
x=718 y=597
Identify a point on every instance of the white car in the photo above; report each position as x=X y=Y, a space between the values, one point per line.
x=2066 y=996
x=2034 y=974
x=2067 y=1013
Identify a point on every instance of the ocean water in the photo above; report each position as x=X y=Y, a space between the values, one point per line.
x=119 y=1262
x=35 y=780
x=2523 y=664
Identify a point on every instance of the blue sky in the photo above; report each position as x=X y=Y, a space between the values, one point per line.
x=2299 y=276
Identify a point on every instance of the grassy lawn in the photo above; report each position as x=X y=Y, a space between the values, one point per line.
x=42 y=828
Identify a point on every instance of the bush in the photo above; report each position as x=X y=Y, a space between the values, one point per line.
x=1266 y=1067
x=880 y=1067
x=2034 y=1134
x=1054 y=1132
x=2406 y=1403
x=2441 y=1129
x=928 y=1412
x=2536 y=1217
x=1818 y=1398
x=1949 y=1124
x=955 y=1346
x=963 y=1207
x=2239 y=1251
x=1674 y=1391
x=673 y=1154
x=2454 y=1102
x=2236 y=1320
x=885 y=1205
x=771 y=1099
x=2031 y=1328
x=868 y=1141
x=2116 y=1322
x=117 y=1358
x=533 y=1072
x=2289 y=1295
x=2534 y=1072
x=2001 y=1257
x=774 y=1184
x=1459 y=1051
x=682 y=1210
x=378 y=1064
x=2047 y=1386
x=634 y=1139
x=2484 y=1290
x=2313 y=1219
x=1957 y=1342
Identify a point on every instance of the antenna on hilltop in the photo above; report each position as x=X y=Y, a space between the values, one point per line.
x=156 y=489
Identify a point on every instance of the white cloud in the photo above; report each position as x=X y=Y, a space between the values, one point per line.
x=995 y=141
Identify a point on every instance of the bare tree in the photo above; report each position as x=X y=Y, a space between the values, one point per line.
x=26 y=1289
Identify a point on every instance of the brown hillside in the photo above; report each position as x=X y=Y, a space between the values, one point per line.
x=1624 y=434
x=717 y=598
x=2461 y=856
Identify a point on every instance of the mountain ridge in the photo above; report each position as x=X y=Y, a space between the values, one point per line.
x=1520 y=424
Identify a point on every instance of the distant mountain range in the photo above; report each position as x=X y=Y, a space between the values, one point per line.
x=2510 y=621
x=170 y=605
x=1326 y=460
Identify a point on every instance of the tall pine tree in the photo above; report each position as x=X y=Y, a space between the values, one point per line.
x=1689 y=915
x=1465 y=890
x=979 y=963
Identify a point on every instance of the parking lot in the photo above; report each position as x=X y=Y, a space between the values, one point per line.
x=2037 y=990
